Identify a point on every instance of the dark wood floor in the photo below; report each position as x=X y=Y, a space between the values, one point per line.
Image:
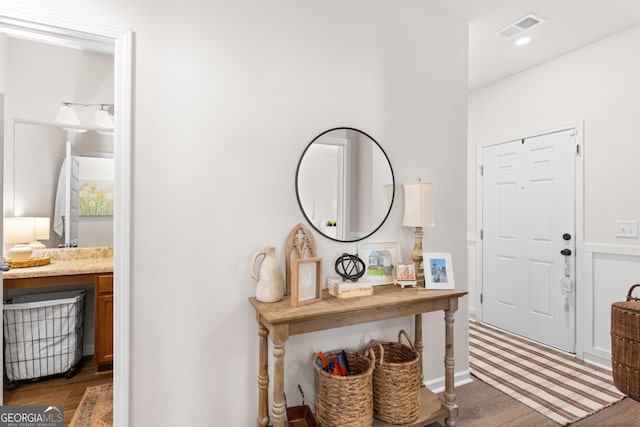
x=480 y=404
x=58 y=391
x=484 y=406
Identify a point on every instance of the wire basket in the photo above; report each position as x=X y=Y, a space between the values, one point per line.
x=625 y=347
x=345 y=401
x=43 y=335
x=396 y=381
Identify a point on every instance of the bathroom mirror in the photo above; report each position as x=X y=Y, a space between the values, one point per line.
x=32 y=178
x=345 y=184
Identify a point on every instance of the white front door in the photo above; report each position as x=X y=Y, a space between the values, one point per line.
x=528 y=218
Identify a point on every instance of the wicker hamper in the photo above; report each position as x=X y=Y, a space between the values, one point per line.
x=625 y=345
x=345 y=401
x=396 y=381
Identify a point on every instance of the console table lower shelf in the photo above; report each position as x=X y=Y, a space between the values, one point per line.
x=431 y=410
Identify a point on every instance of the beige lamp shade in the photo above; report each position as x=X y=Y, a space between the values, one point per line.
x=42 y=228
x=418 y=206
x=19 y=230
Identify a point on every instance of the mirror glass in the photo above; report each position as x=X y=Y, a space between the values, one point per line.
x=345 y=184
x=35 y=186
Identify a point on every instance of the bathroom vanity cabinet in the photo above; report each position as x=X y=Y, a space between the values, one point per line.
x=104 y=320
x=95 y=271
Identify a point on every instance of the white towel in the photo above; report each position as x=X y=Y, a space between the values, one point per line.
x=61 y=194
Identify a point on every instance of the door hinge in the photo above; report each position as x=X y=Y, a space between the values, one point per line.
x=578 y=149
x=481 y=169
x=481 y=234
x=481 y=298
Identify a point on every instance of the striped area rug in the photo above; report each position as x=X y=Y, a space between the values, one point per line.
x=556 y=385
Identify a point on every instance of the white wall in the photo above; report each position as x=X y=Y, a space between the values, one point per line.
x=4 y=40
x=598 y=84
x=227 y=96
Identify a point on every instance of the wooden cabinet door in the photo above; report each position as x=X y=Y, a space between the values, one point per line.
x=104 y=320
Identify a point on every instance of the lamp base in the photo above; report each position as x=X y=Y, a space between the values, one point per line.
x=416 y=256
x=38 y=249
x=19 y=253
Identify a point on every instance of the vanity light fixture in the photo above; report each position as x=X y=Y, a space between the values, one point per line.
x=102 y=121
x=418 y=213
x=67 y=116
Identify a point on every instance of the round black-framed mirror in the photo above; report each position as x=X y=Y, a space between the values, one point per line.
x=345 y=184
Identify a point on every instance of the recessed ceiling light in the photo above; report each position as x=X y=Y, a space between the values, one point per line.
x=522 y=41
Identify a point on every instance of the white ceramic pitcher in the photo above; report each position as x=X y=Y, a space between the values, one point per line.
x=270 y=280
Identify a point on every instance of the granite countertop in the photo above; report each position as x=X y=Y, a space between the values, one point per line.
x=68 y=261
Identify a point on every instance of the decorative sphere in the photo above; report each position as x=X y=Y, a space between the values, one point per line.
x=350 y=267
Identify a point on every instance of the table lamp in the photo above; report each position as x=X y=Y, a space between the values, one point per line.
x=43 y=226
x=19 y=231
x=418 y=213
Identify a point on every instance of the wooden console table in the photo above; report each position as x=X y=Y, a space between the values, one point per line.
x=279 y=321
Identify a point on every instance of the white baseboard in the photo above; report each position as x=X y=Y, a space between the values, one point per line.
x=594 y=359
x=460 y=378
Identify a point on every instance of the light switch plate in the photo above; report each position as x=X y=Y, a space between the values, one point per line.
x=627 y=229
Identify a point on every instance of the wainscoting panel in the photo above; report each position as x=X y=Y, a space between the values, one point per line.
x=611 y=270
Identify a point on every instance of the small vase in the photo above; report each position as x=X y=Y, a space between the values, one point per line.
x=270 y=281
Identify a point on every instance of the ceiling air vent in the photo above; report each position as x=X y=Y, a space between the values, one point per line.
x=518 y=27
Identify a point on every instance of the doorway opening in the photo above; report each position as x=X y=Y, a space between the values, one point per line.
x=62 y=31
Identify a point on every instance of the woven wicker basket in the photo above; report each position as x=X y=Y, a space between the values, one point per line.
x=625 y=345
x=345 y=401
x=396 y=381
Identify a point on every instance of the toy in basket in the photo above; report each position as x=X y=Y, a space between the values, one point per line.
x=396 y=381
x=625 y=345
x=344 y=400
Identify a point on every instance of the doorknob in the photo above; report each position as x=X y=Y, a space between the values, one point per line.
x=566 y=236
x=565 y=252
x=4 y=266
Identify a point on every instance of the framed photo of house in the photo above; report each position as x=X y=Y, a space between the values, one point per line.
x=381 y=261
x=438 y=270
x=306 y=281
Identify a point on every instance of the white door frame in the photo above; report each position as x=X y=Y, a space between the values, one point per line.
x=56 y=29
x=578 y=125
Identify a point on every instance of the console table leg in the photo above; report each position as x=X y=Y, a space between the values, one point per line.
x=278 y=384
x=417 y=341
x=263 y=377
x=449 y=368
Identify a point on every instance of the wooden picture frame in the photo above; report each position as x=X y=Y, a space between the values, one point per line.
x=300 y=244
x=406 y=272
x=438 y=270
x=381 y=261
x=306 y=281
